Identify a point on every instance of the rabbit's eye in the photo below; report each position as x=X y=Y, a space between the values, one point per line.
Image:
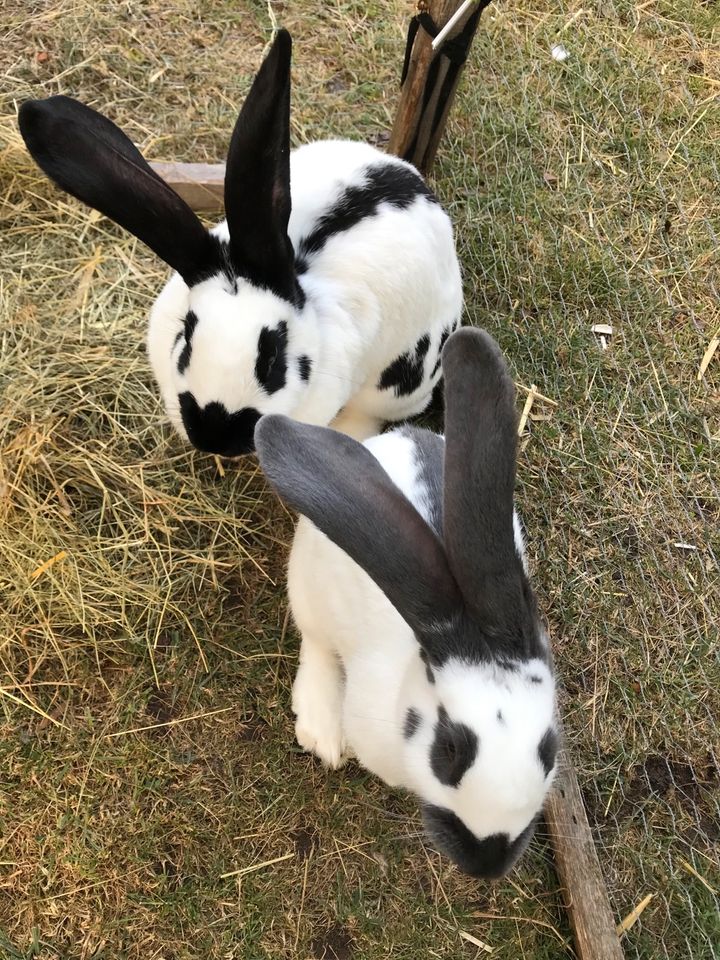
x=265 y=365
x=453 y=750
x=271 y=363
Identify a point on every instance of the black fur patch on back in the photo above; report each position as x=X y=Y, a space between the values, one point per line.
x=186 y=352
x=453 y=750
x=405 y=374
x=547 y=750
x=412 y=722
x=390 y=183
x=305 y=367
x=271 y=363
x=445 y=334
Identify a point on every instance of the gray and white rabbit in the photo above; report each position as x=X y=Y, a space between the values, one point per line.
x=325 y=295
x=423 y=654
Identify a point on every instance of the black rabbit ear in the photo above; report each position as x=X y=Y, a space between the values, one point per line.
x=85 y=154
x=480 y=457
x=257 y=177
x=341 y=487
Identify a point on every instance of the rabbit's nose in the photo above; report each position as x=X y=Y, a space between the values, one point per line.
x=213 y=430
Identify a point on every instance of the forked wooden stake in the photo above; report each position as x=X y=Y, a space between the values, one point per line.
x=432 y=79
x=578 y=867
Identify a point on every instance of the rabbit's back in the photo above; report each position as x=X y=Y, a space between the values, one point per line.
x=371 y=238
x=330 y=593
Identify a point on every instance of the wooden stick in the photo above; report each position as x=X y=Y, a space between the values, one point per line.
x=579 y=870
x=199 y=184
x=431 y=82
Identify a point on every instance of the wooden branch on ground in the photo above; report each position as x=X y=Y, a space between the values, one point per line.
x=199 y=184
x=578 y=868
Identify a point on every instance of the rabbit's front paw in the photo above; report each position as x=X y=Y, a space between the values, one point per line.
x=317 y=704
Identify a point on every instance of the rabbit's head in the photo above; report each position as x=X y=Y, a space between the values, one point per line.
x=229 y=357
x=479 y=751
x=478 y=700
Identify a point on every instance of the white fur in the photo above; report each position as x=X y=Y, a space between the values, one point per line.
x=360 y=671
x=371 y=293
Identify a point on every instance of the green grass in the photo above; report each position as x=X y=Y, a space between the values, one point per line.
x=582 y=192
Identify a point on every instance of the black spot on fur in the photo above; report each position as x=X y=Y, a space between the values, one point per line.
x=304 y=366
x=186 y=352
x=384 y=183
x=445 y=334
x=213 y=430
x=489 y=857
x=271 y=363
x=453 y=750
x=405 y=374
x=412 y=722
x=428 y=669
x=534 y=679
x=299 y=297
x=500 y=718
x=547 y=750
x=510 y=666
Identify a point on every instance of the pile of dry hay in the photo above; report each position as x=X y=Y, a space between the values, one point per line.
x=113 y=531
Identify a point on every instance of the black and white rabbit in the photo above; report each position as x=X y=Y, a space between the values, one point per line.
x=438 y=675
x=334 y=299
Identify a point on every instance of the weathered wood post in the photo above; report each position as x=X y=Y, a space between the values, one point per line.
x=431 y=76
x=578 y=868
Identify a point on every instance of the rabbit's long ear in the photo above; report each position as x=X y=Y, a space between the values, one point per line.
x=257 y=177
x=341 y=487
x=88 y=156
x=480 y=457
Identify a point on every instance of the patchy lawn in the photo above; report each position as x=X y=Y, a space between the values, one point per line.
x=153 y=802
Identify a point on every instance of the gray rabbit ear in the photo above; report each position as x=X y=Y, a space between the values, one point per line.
x=480 y=457
x=338 y=484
